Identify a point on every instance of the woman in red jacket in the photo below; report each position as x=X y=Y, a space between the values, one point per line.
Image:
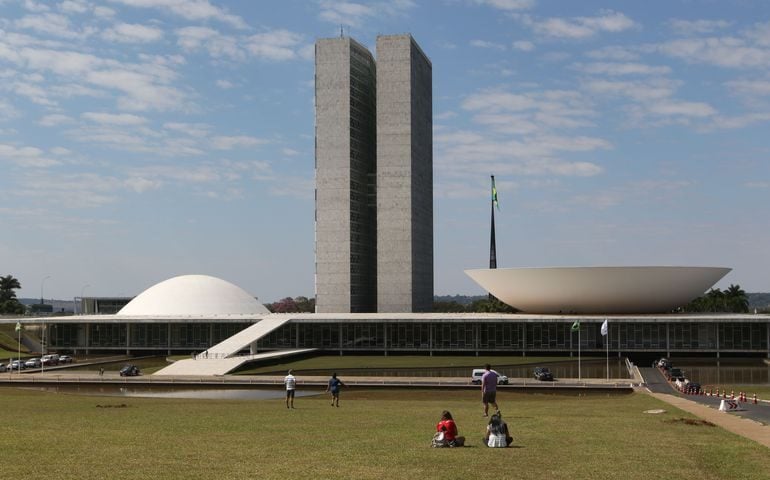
x=448 y=426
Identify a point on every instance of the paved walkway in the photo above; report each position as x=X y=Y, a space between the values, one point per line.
x=729 y=421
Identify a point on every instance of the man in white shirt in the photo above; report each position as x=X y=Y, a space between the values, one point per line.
x=291 y=384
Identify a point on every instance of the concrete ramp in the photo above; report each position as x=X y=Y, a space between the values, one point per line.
x=221 y=366
x=243 y=339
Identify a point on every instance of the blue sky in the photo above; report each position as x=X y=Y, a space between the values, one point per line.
x=144 y=139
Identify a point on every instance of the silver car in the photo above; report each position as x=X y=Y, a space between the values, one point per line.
x=32 y=363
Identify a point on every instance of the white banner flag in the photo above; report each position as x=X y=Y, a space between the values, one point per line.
x=605 y=328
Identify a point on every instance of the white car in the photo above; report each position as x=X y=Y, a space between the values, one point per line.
x=479 y=372
x=32 y=363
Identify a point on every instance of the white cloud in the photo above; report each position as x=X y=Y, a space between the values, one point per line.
x=215 y=43
x=508 y=5
x=695 y=27
x=616 y=53
x=114 y=118
x=583 y=27
x=132 y=33
x=34 y=6
x=189 y=10
x=486 y=44
x=28 y=157
x=687 y=109
x=199 y=130
x=238 y=141
x=640 y=91
x=141 y=184
x=617 y=69
x=750 y=87
x=728 y=52
x=355 y=14
x=55 y=119
x=53 y=24
x=74 y=6
x=738 y=121
x=524 y=45
x=274 y=45
x=225 y=84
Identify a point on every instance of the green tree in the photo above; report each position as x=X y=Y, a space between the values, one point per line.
x=8 y=302
x=736 y=299
x=492 y=305
x=448 y=307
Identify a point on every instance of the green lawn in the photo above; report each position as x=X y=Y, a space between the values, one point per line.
x=332 y=362
x=374 y=435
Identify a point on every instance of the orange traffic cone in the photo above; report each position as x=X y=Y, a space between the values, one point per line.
x=755 y=399
x=732 y=394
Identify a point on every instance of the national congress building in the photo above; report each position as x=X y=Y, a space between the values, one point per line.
x=374 y=177
x=374 y=260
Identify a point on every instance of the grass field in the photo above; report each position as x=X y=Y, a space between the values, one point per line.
x=374 y=435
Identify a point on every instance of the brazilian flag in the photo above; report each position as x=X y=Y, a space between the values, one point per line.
x=494 y=194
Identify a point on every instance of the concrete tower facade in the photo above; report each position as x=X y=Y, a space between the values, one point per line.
x=404 y=176
x=374 y=177
x=345 y=225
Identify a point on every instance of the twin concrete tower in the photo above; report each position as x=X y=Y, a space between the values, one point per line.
x=374 y=177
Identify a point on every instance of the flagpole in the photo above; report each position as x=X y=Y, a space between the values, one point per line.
x=19 y=357
x=607 y=344
x=579 y=374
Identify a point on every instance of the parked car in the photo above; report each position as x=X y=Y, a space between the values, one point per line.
x=2 y=367
x=50 y=360
x=17 y=365
x=479 y=372
x=663 y=364
x=543 y=374
x=32 y=363
x=674 y=374
x=130 y=371
x=65 y=359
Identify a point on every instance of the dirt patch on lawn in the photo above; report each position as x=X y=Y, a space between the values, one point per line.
x=692 y=421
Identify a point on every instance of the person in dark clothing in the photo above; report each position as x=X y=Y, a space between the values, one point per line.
x=334 y=387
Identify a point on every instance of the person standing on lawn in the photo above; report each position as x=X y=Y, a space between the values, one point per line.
x=291 y=385
x=489 y=389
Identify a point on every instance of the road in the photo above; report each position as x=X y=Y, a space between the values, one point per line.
x=657 y=383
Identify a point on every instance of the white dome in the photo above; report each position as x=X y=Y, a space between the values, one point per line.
x=597 y=289
x=193 y=295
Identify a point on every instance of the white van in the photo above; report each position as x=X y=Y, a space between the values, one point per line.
x=479 y=372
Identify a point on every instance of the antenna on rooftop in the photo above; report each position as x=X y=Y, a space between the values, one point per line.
x=341 y=34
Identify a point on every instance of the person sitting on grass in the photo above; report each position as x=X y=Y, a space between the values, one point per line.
x=497 y=432
x=448 y=427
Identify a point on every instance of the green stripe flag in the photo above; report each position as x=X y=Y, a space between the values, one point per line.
x=494 y=194
x=576 y=326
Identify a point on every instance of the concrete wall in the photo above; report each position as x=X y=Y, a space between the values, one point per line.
x=404 y=176
x=345 y=164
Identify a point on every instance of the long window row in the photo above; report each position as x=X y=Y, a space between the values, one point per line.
x=508 y=336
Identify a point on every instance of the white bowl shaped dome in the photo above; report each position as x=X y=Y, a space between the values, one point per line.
x=586 y=290
x=193 y=295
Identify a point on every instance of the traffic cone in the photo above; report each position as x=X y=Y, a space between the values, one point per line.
x=732 y=394
x=755 y=399
x=711 y=392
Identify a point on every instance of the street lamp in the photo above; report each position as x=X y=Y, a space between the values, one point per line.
x=41 y=289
